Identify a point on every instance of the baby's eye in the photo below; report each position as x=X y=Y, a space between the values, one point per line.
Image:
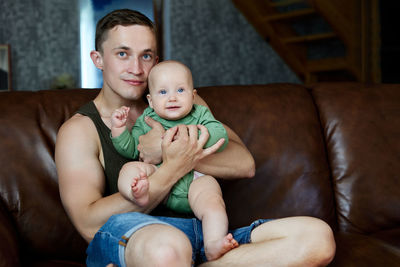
x=181 y=90
x=163 y=92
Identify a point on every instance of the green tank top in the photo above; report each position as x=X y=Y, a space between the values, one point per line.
x=113 y=161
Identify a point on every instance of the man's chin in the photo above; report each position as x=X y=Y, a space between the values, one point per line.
x=134 y=93
x=133 y=97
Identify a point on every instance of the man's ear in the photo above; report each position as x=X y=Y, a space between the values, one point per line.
x=97 y=59
x=149 y=100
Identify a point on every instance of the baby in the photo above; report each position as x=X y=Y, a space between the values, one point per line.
x=171 y=103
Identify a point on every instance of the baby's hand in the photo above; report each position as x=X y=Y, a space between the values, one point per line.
x=119 y=117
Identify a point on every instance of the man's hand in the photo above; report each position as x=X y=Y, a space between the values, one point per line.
x=182 y=149
x=150 y=144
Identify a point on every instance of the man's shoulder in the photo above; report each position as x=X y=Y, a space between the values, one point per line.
x=77 y=140
x=80 y=117
x=77 y=121
x=77 y=127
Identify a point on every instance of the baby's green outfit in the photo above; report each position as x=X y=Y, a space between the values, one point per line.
x=126 y=145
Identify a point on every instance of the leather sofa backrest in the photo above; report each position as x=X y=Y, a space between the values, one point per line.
x=362 y=131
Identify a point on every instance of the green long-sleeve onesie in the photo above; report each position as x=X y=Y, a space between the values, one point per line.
x=126 y=145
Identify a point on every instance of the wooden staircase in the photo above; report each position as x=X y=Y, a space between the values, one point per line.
x=320 y=40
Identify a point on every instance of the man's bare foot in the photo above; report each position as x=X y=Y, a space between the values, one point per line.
x=215 y=249
x=140 y=189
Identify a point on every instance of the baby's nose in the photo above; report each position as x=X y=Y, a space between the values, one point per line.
x=172 y=98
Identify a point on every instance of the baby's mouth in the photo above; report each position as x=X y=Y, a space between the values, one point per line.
x=173 y=107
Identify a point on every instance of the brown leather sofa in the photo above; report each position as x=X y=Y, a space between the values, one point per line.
x=331 y=151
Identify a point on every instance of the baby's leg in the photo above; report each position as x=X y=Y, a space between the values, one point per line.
x=133 y=183
x=205 y=198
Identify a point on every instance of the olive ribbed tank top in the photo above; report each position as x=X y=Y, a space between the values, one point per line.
x=113 y=161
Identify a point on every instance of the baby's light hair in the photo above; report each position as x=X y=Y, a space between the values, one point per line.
x=162 y=64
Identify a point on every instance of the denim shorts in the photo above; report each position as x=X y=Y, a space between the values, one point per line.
x=108 y=245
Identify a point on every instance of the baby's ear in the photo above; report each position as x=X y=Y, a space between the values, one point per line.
x=194 y=92
x=148 y=96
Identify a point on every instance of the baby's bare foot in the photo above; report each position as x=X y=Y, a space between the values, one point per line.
x=215 y=249
x=140 y=189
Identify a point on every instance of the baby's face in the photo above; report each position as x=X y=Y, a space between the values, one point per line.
x=171 y=91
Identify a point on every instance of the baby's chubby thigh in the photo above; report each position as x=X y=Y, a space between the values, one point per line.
x=204 y=193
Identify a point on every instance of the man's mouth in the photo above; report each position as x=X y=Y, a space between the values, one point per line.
x=134 y=82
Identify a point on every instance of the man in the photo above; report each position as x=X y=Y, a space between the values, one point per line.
x=120 y=232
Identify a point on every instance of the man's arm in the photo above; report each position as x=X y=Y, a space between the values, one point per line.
x=235 y=161
x=82 y=181
x=81 y=177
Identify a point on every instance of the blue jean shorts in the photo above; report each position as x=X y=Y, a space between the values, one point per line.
x=108 y=245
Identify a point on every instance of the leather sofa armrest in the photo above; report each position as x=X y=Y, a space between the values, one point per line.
x=9 y=249
x=363 y=250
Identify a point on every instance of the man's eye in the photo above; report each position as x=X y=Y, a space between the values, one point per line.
x=181 y=90
x=146 y=57
x=122 y=54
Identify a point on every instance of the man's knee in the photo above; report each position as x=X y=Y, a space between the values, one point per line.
x=158 y=245
x=320 y=242
x=167 y=254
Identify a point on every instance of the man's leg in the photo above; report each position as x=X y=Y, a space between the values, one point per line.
x=137 y=239
x=295 y=241
x=158 y=245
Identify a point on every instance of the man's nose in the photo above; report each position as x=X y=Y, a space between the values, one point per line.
x=135 y=66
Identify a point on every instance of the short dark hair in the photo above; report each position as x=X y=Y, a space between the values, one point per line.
x=124 y=17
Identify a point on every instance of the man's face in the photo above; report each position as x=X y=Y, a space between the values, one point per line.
x=171 y=93
x=128 y=55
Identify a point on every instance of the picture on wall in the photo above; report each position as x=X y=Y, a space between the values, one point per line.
x=5 y=67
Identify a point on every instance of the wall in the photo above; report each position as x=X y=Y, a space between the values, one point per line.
x=44 y=39
x=210 y=36
x=214 y=39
